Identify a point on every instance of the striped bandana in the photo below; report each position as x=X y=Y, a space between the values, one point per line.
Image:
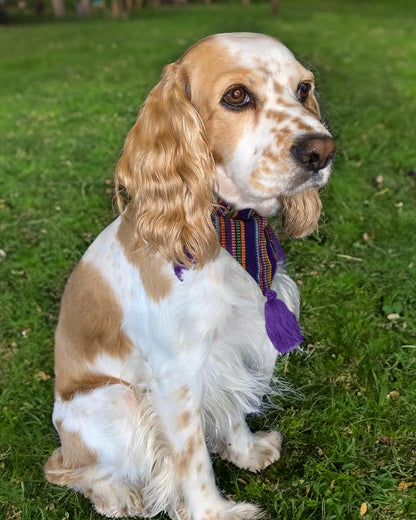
x=250 y=240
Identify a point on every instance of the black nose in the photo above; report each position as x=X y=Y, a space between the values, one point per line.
x=314 y=152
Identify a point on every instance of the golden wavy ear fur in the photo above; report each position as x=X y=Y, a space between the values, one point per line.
x=166 y=172
x=300 y=213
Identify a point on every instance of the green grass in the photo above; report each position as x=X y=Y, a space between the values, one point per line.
x=70 y=91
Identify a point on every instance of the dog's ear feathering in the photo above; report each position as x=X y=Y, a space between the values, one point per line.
x=166 y=173
x=299 y=214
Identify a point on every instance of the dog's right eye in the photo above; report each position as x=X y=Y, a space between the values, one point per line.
x=302 y=92
x=236 y=98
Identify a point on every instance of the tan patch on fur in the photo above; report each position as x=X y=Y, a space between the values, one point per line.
x=150 y=266
x=182 y=466
x=190 y=448
x=259 y=186
x=312 y=105
x=182 y=393
x=89 y=382
x=183 y=420
x=73 y=455
x=275 y=115
x=271 y=156
x=284 y=130
x=211 y=71
x=185 y=457
x=265 y=169
x=301 y=125
x=89 y=325
x=277 y=87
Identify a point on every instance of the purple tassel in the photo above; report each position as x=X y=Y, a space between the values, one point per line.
x=281 y=324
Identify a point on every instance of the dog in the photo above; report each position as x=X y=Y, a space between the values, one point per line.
x=171 y=323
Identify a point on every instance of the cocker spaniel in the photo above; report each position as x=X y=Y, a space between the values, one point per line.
x=171 y=323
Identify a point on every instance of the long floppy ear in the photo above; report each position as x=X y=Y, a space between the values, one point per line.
x=300 y=213
x=167 y=174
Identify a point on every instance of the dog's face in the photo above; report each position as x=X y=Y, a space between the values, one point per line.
x=237 y=117
x=261 y=117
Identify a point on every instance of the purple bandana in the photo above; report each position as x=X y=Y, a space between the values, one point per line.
x=250 y=240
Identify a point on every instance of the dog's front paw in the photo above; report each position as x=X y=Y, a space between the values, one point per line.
x=224 y=511
x=260 y=453
x=242 y=511
x=235 y=511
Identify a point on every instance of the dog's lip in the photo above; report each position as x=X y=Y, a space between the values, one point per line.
x=311 y=180
x=316 y=176
x=317 y=179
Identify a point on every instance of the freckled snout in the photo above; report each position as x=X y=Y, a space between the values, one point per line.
x=314 y=152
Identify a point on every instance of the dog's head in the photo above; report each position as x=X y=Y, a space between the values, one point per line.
x=236 y=116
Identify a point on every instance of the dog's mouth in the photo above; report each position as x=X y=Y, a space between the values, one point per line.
x=318 y=178
x=304 y=180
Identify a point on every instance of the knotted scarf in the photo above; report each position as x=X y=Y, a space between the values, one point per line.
x=250 y=240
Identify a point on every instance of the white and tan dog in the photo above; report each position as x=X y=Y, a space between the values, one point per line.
x=155 y=371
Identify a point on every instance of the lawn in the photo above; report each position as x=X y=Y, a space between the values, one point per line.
x=70 y=90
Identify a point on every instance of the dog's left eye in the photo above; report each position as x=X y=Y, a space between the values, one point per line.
x=236 y=97
x=303 y=91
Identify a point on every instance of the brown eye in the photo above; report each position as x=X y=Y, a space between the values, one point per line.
x=302 y=92
x=236 y=97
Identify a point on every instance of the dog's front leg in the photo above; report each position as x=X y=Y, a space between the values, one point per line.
x=178 y=402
